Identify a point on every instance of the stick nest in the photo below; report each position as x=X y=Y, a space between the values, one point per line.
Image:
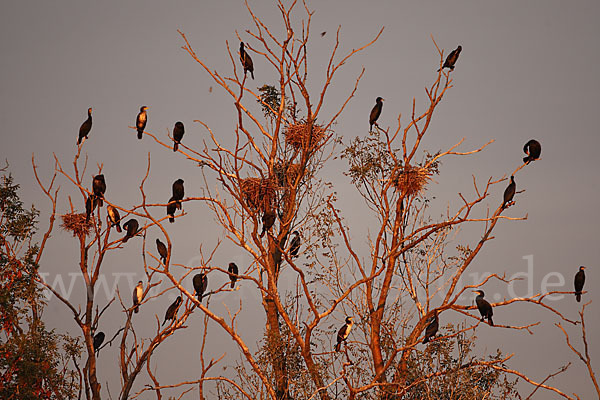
x=76 y=224
x=304 y=135
x=286 y=174
x=411 y=181
x=259 y=194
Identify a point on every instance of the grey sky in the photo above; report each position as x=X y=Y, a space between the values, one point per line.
x=527 y=70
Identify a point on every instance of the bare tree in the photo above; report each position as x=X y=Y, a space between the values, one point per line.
x=272 y=203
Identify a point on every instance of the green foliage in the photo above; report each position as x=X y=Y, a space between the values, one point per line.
x=33 y=360
x=270 y=100
x=453 y=371
x=368 y=158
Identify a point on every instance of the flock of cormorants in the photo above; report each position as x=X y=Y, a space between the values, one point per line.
x=532 y=149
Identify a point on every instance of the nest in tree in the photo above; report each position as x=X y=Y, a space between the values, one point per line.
x=285 y=173
x=259 y=194
x=411 y=180
x=76 y=224
x=304 y=135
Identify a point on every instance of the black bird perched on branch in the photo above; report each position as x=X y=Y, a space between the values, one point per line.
x=200 y=282
x=451 y=59
x=172 y=310
x=138 y=292
x=509 y=192
x=171 y=208
x=246 y=61
x=432 y=327
x=90 y=205
x=162 y=250
x=86 y=127
x=375 y=113
x=533 y=149
x=295 y=244
x=268 y=220
x=233 y=273
x=131 y=227
x=114 y=217
x=99 y=188
x=579 y=282
x=140 y=122
x=98 y=340
x=485 y=308
x=343 y=333
x=178 y=192
x=178 y=132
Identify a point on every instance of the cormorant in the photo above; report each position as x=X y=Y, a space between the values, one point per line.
x=178 y=132
x=343 y=333
x=268 y=219
x=138 y=292
x=172 y=310
x=200 y=282
x=140 y=121
x=86 y=127
x=579 y=282
x=375 y=113
x=233 y=273
x=99 y=188
x=162 y=250
x=485 y=308
x=114 y=217
x=509 y=192
x=533 y=149
x=90 y=205
x=432 y=327
x=98 y=340
x=451 y=59
x=295 y=244
x=171 y=207
x=178 y=192
x=132 y=228
x=246 y=61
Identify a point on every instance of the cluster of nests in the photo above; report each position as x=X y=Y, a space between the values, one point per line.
x=411 y=181
x=76 y=224
x=260 y=193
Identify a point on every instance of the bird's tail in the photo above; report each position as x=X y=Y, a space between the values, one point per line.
x=426 y=340
x=140 y=134
x=100 y=203
x=490 y=320
x=79 y=140
x=263 y=232
x=526 y=160
x=252 y=74
x=118 y=226
x=125 y=239
x=164 y=322
x=175 y=147
x=136 y=309
x=232 y=284
x=171 y=219
x=578 y=296
x=338 y=346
